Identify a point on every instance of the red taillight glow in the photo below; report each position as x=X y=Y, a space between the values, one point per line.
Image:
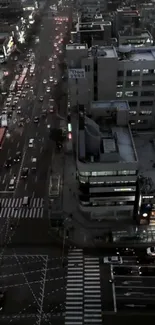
x=69 y=136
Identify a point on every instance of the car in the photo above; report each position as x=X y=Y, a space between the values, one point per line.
x=18 y=156
x=19 y=110
x=50 y=59
x=36 y=119
x=24 y=173
x=4 y=111
x=34 y=162
x=113 y=259
x=12 y=184
x=15 y=100
x=151 y=251
x=23 y=94
x=44 y=81
x=53 y=66
x=51 y=79
x=9 y=114
x=20 y=124
x=31 y=143
x=9 y=162
x=55 y=82
x=44 y=113
x=2 y=300
x=48 y=89
x=41 y=98
x=55 y=56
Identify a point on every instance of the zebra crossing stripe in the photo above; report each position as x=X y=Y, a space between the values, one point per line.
x=13 y=208
x=17 y=202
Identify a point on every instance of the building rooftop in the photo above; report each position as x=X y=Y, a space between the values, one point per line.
x=135 y=33
x=102 y=138
x=108 y=51
x=132 y=53
x=76 y=46
x=117 y=104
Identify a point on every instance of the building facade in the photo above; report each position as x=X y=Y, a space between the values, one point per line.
x=109 y=73
x=107 y=163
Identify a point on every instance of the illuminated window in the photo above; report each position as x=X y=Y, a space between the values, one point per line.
x=132 y=112
x=145 y=71
x=129 y=93
x=119 y=94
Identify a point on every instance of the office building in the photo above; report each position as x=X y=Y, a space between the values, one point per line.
x=109 y=73
x=97 y=32
x=136 y=37
x=107 y=163
x=126 y=17
x=10 y=8
x=115 y=170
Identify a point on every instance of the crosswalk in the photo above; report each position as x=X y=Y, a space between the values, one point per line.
x=13 y=208
x=18 y=202
x=83 y=292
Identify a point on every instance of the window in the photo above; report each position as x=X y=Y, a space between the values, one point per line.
x=145 y=71
x=129 y=73
x=132 y=112
x=132 y=104
x=87 y=68
x=105 y=173
x=145 y=113
x=136 y=72
x=119 y=94
x=132 y=83
x=127 y=172
x=147 y=93
x=148 y=83
x=142 y=121
x=146 y=103
x=84 y=174
x=119 y=84
x=131 y=93
x=120 y=73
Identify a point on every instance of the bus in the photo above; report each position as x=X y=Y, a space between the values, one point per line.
x=21 y=80
x=32 y=68
x=54 y=187
x=4 y=120
x=24 y=73
x=2 y=136
x=13 y=85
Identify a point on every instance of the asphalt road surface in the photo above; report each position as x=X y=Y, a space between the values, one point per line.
x=35 y=184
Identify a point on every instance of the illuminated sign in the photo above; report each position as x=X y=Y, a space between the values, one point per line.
x=9 y=46
x=76 y=73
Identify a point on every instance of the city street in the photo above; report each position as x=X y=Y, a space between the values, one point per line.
x=37 y=183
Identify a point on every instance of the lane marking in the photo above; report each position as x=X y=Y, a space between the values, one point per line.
x=113 y=289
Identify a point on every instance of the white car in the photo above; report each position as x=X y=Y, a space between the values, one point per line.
x=50 y=59
x=53 y=66
x=48 y=89
x=44 y=81
x=151 y=251
x=31 y=143
x=113 y=259
x=51 y=79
